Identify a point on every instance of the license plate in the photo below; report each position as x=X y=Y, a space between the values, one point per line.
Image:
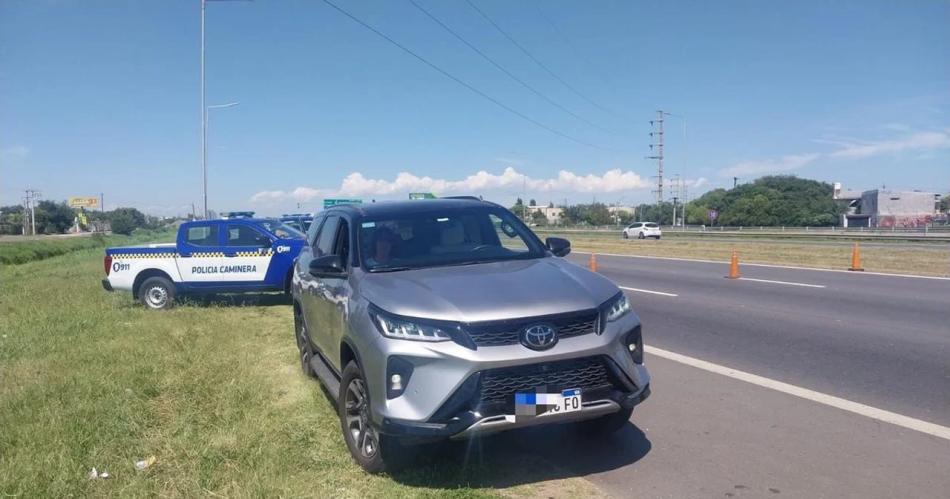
x=534 y=404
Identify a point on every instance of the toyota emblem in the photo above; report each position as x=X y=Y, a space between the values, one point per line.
x=539 y=337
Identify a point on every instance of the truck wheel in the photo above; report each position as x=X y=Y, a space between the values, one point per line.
x=157 y=293
x=303 y=344
x=606 y=425
x=374 y=452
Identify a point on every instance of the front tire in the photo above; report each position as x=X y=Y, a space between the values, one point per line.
x=157 y=293
x=641 y=236
x=373 y=451
x=303 y=344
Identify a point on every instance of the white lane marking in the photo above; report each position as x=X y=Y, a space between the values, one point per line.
x=648 y=291
x=829 y=400
x=782 y=282
x=769 y=265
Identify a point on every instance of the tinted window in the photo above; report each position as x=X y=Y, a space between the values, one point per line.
x=243 y=235
x=342 y=247
x=202 y=235
x=312 y=231
x=445 y=237
x=651 y=225
x=327 y=237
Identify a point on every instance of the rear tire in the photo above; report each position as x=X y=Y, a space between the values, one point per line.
x=657 y=238
x=373 y=451
x=606 y=425
x=157 y=293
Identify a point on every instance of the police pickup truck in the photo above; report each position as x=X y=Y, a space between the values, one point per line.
x=231 y=255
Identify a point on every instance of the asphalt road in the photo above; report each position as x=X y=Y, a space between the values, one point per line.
x=880 y=341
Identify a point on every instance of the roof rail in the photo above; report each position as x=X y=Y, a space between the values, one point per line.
x=470 y=198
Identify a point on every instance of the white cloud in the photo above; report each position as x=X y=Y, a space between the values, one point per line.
x=920 y=141
x=783 y=164
x=356 y=184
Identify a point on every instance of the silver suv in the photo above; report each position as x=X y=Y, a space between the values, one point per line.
x=447 y=319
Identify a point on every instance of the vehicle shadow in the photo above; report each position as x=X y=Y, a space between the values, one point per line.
x=236 y=300
x=524 y=456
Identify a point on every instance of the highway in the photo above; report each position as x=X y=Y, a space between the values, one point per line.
x=843 y=387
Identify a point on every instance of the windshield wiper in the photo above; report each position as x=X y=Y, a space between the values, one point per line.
x=388 y=269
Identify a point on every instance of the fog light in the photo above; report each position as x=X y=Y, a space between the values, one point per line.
x=634 y=342
x=399 y=374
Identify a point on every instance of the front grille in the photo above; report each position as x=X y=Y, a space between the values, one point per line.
x=587 y=373
x=508 y=332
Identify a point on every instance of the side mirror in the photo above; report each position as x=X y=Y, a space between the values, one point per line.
x=558 y=245
x=327 y=266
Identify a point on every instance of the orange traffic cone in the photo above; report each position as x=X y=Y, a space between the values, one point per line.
x=734 y=265
x=856 y=259
x=592 y=264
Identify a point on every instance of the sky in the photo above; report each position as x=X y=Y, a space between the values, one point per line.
x=103 y=97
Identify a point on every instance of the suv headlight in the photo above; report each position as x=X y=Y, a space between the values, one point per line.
x=617 y=308
x=404 y=328
x=613 y=309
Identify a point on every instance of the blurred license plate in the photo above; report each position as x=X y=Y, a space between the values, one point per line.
x=539 y=403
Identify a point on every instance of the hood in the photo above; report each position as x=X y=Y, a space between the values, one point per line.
x=488 y=291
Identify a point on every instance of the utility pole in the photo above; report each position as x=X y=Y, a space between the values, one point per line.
x=656 y=146
x=675 y=198
x=735 y=182
x=30 y=204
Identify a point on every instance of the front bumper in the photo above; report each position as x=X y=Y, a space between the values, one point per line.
x=472 y=424
x=106 y=285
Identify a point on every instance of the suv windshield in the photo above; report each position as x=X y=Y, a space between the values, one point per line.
x=282 y=230
x=445 y=237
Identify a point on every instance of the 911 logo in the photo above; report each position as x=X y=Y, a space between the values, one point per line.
x=117 y=266
x=283 y=249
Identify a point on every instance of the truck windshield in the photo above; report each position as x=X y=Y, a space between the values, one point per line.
x=282 y=230
x=441 y=238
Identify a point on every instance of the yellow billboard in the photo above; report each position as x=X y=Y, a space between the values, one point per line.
x=84 y=202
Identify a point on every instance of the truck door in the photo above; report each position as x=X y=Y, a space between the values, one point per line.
x=199 y=245
x=247 y=254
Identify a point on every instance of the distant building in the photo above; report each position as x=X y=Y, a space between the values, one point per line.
x=553 y=214
x=881 y=208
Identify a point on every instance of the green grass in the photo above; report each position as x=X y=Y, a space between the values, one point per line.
x=214 y=392
x=14 y=251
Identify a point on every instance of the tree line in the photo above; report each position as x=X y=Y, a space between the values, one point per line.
x=778 y=200
x=54 y=217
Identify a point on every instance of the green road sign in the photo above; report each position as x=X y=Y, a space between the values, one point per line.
x=421 y=195
x=333 y=202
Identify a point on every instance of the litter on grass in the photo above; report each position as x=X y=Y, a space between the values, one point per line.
x=145 y=463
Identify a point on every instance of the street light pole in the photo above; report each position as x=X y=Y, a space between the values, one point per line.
x=204 y=113
x=204 y=118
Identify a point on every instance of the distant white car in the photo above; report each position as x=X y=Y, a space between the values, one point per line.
x=642 y=230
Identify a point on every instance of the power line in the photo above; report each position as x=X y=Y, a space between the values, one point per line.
x=456 y=79
x=504 y=70
x=535 y=59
